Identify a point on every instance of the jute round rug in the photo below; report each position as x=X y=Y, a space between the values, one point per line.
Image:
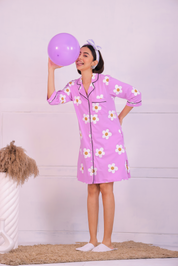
x=45 y=254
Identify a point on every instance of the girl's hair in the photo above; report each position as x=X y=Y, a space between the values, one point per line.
x=100 y=67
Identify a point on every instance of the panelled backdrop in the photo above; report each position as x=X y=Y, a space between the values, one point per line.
x=139 y=45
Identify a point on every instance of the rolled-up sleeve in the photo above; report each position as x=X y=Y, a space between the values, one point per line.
x=61 y=96
x=123 y=90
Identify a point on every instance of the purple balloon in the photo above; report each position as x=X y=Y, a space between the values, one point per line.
x=63 y=49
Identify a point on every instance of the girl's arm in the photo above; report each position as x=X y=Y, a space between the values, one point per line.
x=51 y=85
x=124 y=112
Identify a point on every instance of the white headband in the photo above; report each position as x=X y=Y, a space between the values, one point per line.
x=91 y=42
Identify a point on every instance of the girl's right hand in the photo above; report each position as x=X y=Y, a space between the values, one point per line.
x=52 y=65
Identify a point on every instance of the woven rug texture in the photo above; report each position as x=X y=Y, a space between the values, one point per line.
x=45 y=254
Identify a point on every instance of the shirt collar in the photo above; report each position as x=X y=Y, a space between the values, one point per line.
x=95 y=77
x=93 y=80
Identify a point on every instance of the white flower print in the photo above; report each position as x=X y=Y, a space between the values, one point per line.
x=119 y=149
x=118 y=89
x=93 y=76
x=135 y=91
x=92 y=171
x=77 y=100
x=96 y=107
x=106 y=134
x=106 y=80
x=63 y=98
x=71 y=83
x=82 y=168
x=112 y=115
x=91 y=85
x=86 y=118
x=100 y=152
x=120 y=133
x=99 y=96
x=86 y=153
x=67 y=90
x=90 y=136
x=112 y=168
x=94 y=118
x=127 y=167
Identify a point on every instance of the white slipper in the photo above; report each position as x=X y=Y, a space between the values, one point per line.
x=87 y=247
x=102 y=248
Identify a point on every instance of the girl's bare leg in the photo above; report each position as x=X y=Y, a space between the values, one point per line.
x=109 y=209
x=93 y=208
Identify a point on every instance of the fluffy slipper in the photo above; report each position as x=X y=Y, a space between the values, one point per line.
x=102 y=248
x=87 y=247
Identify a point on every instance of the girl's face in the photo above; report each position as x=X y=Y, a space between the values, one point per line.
x=85 y=59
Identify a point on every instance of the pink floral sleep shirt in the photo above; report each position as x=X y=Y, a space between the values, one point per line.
x=102 y=156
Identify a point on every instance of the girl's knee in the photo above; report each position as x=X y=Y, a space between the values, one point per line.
x=93 y=189
x=106 y=188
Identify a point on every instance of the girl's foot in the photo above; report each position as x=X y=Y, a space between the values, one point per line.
x=102 y=248
x=108 y=244
x=87 y=247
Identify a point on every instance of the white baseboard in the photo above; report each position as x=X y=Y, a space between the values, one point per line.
x=69 y=237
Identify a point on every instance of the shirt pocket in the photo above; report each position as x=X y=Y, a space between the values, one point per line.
x=99 y=106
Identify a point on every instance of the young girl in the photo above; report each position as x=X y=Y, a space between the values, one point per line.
x=102 y=157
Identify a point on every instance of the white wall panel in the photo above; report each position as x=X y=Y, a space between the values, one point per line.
x=53 y=139
x=50 y=139
x=150 y=140
x=53 y=205
x=138 y=42
x=146 y=205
